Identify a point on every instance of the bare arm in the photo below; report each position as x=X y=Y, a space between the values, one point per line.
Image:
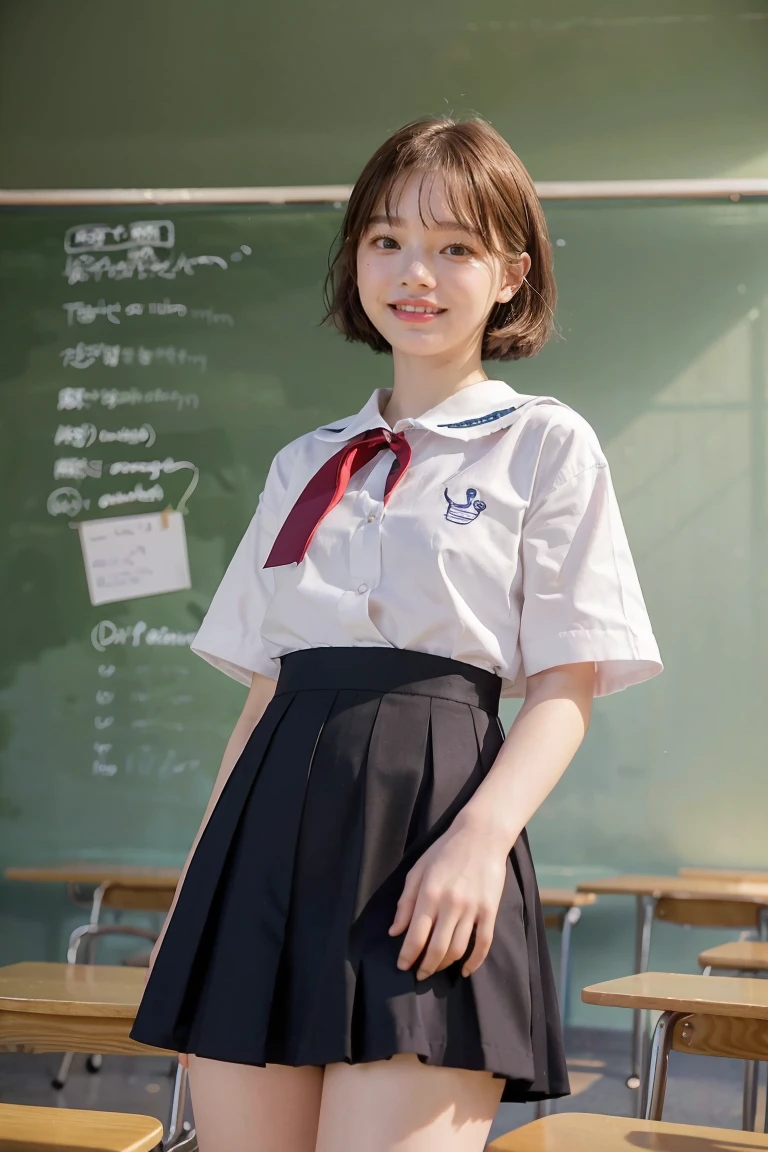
x=540 y=744
x=259 y=695
x=456 y=886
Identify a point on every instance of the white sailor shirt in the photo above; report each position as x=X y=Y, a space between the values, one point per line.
x=502 y=546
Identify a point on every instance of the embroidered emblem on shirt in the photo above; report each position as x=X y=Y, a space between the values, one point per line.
x=464 y=513
x=480 y=419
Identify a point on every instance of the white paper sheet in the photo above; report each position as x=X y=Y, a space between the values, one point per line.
x=130 y=556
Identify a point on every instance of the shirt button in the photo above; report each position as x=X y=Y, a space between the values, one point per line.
x=371 y=519
x=362 y=588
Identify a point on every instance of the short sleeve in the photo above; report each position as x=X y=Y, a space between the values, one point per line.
x=230 y=634
x=581 y=595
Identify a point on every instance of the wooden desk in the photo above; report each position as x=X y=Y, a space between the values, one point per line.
x=79 y=1008
x=79 y=872
x=681 y=900
x=742 y=996
x=124 y=886
x=737 y=874
x=580 y=1132
x=680 y=887
x=71 y=1008
x=706 y=1015
x=737 y=956
x=565 y=898
x=749 y=957
x=25 y=1128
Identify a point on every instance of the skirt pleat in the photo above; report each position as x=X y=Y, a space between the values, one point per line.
x=278 y=950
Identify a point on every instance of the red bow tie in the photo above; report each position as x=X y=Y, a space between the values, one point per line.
x=327 y=487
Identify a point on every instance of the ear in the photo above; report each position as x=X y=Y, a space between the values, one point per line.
x=513 y=277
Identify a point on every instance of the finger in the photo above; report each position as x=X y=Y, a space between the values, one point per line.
x=183 y=1060
x=462 y=935
x=483 y=939
x=406 y=903
x=415 y=939
x=439 y=942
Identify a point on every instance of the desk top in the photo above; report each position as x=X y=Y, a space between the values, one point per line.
x=85 y=872
x=72 y=989
x=737 y=874
x=678 y=992
x=680 y=887
x=751 y=955
x=565 y=898
x=578 y=1132
x=29 y=1127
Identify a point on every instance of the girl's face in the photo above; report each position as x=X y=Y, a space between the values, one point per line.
x=435 y=264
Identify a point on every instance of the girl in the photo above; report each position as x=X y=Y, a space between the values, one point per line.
x=356 y=958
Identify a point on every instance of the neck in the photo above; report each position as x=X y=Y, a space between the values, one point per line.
x=412 y=396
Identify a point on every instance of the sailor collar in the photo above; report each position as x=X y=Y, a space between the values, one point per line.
x=477 y=410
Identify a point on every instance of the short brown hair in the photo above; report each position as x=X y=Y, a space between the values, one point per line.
x=488 y=188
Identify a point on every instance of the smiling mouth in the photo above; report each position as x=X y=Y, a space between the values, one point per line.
x=416 y=311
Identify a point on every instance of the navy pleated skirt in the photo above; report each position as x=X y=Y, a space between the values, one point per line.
x=278 y=950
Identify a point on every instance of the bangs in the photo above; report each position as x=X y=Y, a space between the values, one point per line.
x=470 y=205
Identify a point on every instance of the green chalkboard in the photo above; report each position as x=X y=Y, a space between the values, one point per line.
x=138 y=336
x=199 y=329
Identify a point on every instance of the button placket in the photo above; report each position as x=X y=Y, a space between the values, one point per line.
x=365 y=558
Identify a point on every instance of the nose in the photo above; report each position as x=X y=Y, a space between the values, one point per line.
x=416 y=272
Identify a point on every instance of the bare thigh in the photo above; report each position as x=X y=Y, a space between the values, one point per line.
x=402 y=1105
x=238 y=1106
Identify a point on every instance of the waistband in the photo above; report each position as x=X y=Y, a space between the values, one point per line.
x=379 y=669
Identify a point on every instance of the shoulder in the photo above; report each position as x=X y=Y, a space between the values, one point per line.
x=559 y=442
x=292 y=465
x=290 y=456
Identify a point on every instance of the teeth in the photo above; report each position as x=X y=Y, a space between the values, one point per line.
x=411 y=308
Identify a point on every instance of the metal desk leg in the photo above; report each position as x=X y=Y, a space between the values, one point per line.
x=94 y=904
x=657 y=1066
x=570 y=920
x=646 y=908
x=749 y=1099
x=178 y=1132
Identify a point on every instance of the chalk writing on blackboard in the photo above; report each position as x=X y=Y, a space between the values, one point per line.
x=75 y=399
x=107 y=634
x=140 y=264
x=81 y=468
x=66 y=502
x=77 y=468
x=80 y=312
x=145 y=252
x=136 y=495
x=106 y=238
x=85 y=435
x=84 y=356
x=134 y=556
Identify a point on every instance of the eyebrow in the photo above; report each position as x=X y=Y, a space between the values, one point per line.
x=441 y=225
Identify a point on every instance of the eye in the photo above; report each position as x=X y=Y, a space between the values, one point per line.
x=466 y=250
x=375 y=239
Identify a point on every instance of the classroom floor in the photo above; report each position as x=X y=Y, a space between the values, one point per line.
x=701 y=1090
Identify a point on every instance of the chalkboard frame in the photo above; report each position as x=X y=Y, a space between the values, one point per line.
x=683 y=189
